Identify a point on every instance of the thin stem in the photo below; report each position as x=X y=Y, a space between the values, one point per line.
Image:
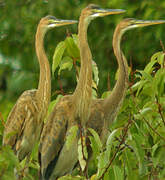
x=118 y=149
x=75 y=66
x=161 y=43
x=160 y=109
x=61 y=87
x=108 y=83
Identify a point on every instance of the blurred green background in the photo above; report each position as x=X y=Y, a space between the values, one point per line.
x=19 y=68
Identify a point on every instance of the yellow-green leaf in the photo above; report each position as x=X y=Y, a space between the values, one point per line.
x=58 y=53
x=66 y=63
x=72 y=48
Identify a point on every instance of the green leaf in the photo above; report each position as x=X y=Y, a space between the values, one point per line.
x=158 y=157
x=158 y=57
x=110 y=141
x=149 y=66
x=104 y=157
x=102 y=164
x=105 y=94
x=139 y=151
x=145 y=110
x=66 y=63
x=75 y=38
x=140 y=86
x=158 y=82
x=134 y=87
x=72 y=48
x=146 y=76
x=94 y=93
x=8 y=161
x=95 y=72
x=52 y=105
x=58 y=53
x=97 y=138
x=129 y=164
x=82 y=149
x=71 y=136
x=118 y=173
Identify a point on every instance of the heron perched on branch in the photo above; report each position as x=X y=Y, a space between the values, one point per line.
x=55 y=158
x=25 y=121
x=103 y=112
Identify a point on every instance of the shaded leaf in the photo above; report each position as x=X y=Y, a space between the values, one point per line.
x=71 y=136
x=66 y=63
x=58 y=53
x=82 y=149
x=72 y=48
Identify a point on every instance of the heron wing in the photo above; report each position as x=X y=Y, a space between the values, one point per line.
x=16 y=120
x=53 y=138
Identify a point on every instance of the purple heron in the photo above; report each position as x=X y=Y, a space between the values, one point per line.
x=54 y=156
x=103 y=112
x=25 y=121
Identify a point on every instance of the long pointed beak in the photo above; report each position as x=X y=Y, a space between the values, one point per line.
x=148 y=22
x=104 y=12
x=62 y=22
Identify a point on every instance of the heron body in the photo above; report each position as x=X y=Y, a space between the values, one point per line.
x=103 y=112
x=55 y=157
x=25 y=121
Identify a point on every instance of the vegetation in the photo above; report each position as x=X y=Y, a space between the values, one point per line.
x=135 y=147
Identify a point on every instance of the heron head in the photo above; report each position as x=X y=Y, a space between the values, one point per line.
x=49 y=22
x=131 y=23
x=93 y=11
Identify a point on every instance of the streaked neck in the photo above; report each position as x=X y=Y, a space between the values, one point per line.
x=44 y=86
x=83 y=91
x=114 y=101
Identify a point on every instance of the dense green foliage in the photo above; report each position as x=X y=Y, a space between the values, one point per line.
x=135 y=146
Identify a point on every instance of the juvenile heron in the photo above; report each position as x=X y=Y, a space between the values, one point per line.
x=25 y=121
x=103 y=112
x=55 y=158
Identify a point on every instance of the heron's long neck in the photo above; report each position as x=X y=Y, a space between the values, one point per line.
x=114 y=101
x=83 y=91
x=44 y=86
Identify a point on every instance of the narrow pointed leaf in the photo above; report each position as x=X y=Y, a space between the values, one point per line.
x=59 y=51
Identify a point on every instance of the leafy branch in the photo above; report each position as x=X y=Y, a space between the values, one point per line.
x=118 y=149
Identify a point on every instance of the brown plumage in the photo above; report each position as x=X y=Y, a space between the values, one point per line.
x=56 y=159
x=25 y=121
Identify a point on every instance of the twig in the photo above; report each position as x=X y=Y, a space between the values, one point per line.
x=149 y=125
x=125 y=145
x=60 y=84
x=68 y=34
x=160 y=109
x=118 y=149
x=108 y=82
x=161 y=43
x=131 y=73
x=57 y=92
x=75 y=66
